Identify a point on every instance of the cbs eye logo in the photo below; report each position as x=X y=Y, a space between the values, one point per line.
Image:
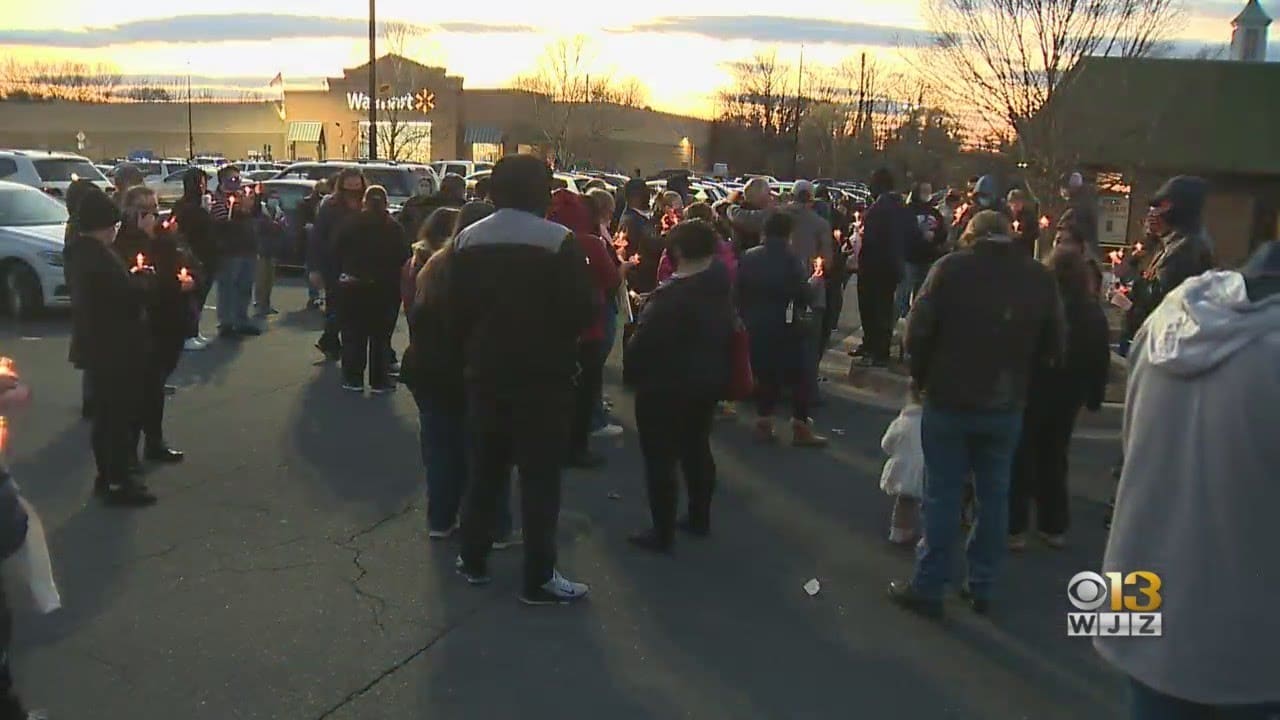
x=1088 y=591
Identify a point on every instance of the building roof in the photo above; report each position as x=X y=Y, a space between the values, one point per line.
x=1179 y=115
x=1252 y=16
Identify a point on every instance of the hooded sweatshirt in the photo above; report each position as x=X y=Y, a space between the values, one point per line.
x=1199 y=493
x=194 y=220
x=681 y=341
x=1185 y=251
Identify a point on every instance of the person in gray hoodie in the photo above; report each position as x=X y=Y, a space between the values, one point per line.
x=1198 y=498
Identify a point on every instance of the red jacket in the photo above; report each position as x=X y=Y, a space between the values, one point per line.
x=569 y=209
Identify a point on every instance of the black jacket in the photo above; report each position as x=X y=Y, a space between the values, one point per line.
x=109 y=331
x=1185 y=252
x=983 y=319
x=643 y=239
x=194 y=221
x=1028 y=233
x=518 y=294
x=331 y=216
x=887 y=229
x=235 y=219
x=681 y=341
x=419 y=207
x=923 y=249
x=1081 y=377
x=372 y=249
x=168 y=309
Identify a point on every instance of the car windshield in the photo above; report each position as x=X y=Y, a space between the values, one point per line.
x=24 y=206
x=66 y=170
x=392 y=180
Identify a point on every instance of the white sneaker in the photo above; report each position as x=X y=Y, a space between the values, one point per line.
x=441 y=534
x=556 y=591
x=193 y=344
x=510 y=541
x=608 y=431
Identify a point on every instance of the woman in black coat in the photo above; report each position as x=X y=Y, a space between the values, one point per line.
x=1054 y=400
x=370 y=251
x=677 y=361
x=773 y=296
x=168 y=307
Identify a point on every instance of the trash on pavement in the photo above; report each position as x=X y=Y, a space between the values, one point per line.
x=812 y=587
x=615 y=495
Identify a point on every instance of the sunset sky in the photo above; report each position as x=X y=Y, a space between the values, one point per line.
x=678 y=56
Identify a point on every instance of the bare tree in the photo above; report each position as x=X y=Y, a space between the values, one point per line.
x=1004 y=60
x=402 y=133
x=571 y=104
x=58 y=80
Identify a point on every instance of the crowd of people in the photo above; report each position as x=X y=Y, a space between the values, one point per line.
x=1005 y=341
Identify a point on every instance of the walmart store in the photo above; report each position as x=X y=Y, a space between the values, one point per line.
x=424 y=114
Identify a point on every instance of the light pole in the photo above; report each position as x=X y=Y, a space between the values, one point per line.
x=373 y=81
x=191 y=133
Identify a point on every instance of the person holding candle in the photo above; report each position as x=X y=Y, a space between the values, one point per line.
x=168 y=311
x=340 y=208
x=1026 y=221
x=109 y=329
x=369 y=254
x=234 y=212
x=195 y=223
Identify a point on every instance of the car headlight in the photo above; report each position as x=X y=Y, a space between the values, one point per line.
x=53 y=257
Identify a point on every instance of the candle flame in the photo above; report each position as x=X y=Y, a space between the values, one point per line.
x=837 y=234
x=183 y=275
x=170 y=223
x=959 y=213
x=140 y=261
x=6 y=367
x=1044 y=222
x=1116 y=257
x=1017 y=227
x=818 y=267
x=1137 y=247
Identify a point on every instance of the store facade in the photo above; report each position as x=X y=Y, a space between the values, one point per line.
x=423 y=114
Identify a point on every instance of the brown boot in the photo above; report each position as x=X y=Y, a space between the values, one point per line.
x=802 y=435
x=764 y=431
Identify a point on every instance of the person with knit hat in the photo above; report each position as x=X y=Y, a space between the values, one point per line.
x=109 y=330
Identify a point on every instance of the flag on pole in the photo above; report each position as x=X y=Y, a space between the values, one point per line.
x=278 y=82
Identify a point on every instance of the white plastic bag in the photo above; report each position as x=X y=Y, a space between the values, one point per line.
x=903 y=472
x=28 y=571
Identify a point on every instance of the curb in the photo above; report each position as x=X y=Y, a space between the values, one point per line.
x=890 y=385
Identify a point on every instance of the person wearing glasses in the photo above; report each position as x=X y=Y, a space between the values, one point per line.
x=146 y=242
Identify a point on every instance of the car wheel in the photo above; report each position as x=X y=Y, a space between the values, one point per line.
x=22 y=293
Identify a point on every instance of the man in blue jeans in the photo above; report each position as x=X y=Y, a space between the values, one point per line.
x=235 y=212
x=984 y=317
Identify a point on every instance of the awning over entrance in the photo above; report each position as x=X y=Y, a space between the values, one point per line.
x=306 y=131
x=483 y=134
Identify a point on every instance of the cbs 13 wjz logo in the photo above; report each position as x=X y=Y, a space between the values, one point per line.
x=1115 y=604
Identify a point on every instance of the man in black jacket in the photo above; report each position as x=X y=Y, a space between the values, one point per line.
x=234 y=211
x=985 y=316
x=886 y=229
x=335 y=212
x=1176 y=217
x=109 y=331
x=517 y=280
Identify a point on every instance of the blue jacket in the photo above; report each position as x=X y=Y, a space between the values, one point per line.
x=771 y=277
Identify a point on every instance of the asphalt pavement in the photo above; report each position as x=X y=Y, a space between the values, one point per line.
x=286 y=572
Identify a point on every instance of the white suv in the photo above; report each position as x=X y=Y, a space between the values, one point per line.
x=52 y=172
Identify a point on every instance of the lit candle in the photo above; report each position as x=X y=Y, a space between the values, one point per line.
x=1137 y=247
x=1044 y=222
x=959 y=213
x=139 y=262
x=857 y=218
x=183 y=275
x=6 y=367
x=818 y=267
x=4 y=433
x=1017 y=227
x=837 y=234
x=1116 y=256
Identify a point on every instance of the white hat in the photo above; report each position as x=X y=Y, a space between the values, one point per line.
x=802 y=188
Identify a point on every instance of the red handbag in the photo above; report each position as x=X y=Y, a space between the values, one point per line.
x=742 y=381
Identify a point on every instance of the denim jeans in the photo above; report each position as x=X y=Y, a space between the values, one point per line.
x=599 y=417
x=957 y=446
x=235 y=290
x=444 y=455
x=912 y=278
x=1148 y=704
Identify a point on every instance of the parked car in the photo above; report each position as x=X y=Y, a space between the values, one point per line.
x=291 y=193
x=260 y=175
x=254 y=166
x=32 y=226
x=169 y=188
x=401 y=181
x=51 y=172
x=461 y=168
x=709 y=193
x=154 y=169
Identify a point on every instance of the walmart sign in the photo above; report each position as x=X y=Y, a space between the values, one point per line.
x=422 y=101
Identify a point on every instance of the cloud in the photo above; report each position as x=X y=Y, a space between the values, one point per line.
x=258 y=27
x=776 y=29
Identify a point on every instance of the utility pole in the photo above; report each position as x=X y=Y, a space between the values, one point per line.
x=373 y=81
x=795 y=142
x=191 y=133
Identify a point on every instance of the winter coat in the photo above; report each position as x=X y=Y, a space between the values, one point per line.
x=1198 y=493
x=332 y=215
x=168 y=308
x=1079 y=379
x=925 y=249
x=772 y=279
x=643 y=240
x=724 y=256
x=887 y=229
x=810 y=234
x=747 y=222
x=371 y=250
x=194 y=221
x=570 y=210
x=903 y=472
x=109 y=331
x=235 y=224
x=681 y=340
x=984 y=317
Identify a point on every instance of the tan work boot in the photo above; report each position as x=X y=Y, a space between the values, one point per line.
x=802 y=435
x=764 y=431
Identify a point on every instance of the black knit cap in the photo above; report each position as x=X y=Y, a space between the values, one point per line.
x=97 y=212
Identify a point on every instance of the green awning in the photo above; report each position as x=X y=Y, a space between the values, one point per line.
x=483 y=134
x=306 y=131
